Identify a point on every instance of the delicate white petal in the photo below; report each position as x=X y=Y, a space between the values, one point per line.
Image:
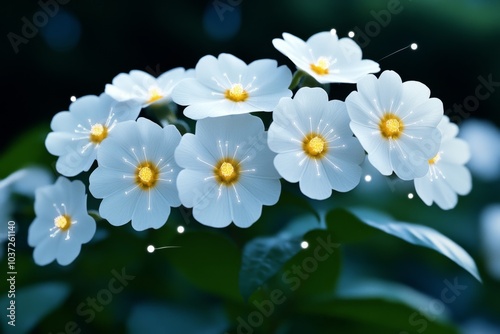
x=455 y=151
x=314 y=182
x=457 y=176
x=246 y=206
x=118 y=208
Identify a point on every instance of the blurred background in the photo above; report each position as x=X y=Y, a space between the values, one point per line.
x=53 y=50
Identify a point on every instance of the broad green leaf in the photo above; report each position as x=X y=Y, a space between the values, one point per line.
x=32 y=304
x=314 y=270
x=176 y=319
x=210 y=261
x=263 y=258
x=378 y=314
x=344 y=225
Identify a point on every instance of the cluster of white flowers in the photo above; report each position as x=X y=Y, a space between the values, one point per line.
x=231 y=166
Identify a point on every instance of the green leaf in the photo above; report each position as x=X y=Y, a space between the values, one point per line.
x=314 y=270
x=385 y=308
x=27 y=149
x=174 y=318
x=32 y=304
x=345 y=226
x=263 y=258
x=208 y=260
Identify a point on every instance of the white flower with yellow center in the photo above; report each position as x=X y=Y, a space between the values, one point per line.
x=145 y=89
x=136 y=174
x=227 y=86
x=326 y=57
x=447 y=176
x=62 y=223
x=78 y=133
x=314 y=144
x=228 y=171
x=396 y=123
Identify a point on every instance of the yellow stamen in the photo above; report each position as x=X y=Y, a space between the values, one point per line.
x=315 y=145
x=146 y=175
x=98 y=133
x=227 y=171
x=391 y=126
x=236 y=93
x=436 y=158
x=321 y=66
x=62 y=222
x=154 y=95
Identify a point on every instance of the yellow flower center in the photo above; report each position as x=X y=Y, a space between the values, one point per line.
x=154 y=95
x=391 y=126
x=146 y=175
x=62 y=222
x=315 y=145
x=321 y=66
x=227 y=171
x=98 y=133
x=436 y=158
x=236 y=93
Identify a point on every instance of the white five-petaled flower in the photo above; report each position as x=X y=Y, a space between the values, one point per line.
x=136 y=174
x=227 y=86
x=62 y=223
x=447 y=175
x=229 y=172
x=326 y=57
x=396 y=123
x=145 y=89
x=314 y=144
x=78 y=133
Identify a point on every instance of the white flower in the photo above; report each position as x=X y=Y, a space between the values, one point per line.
x=447 y=175
x=326 y=58
x=227 y=86
x=77 y=134
x=490 y=235
x=483 y=136
x=396 y=123
x=145 y=89
x=314 y=144
x=229 y=172
x=136 y=174
x=62 y=223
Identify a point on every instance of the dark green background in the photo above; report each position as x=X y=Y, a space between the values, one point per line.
x=458 y=40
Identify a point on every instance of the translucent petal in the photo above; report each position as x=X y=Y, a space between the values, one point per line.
x=457 y=176
x=267 y=191
x=314 y=182
x=67 y=252
x=118 y=208
x=246 y=207
x=289 y=165
x=46 y=251
x=214 y=210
